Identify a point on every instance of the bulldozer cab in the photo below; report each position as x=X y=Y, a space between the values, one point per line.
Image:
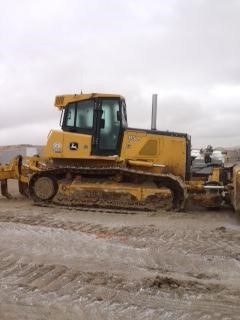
x=103 y=118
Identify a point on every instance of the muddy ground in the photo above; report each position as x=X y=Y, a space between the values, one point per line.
x=69 y=264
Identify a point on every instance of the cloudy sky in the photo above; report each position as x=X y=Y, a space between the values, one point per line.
x=186 y=51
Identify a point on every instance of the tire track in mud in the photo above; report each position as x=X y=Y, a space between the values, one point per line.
x=218 y=242
x=200 y=253
x=179 y=278
x=160 y=294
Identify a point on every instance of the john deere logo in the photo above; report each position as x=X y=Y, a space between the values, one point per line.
x=73 y=146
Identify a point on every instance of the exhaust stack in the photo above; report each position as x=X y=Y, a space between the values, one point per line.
x=154 y=112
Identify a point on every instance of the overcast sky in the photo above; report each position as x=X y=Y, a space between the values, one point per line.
x=186 y=51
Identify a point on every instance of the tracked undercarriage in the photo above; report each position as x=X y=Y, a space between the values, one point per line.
x=90 y=186
x=120 y=188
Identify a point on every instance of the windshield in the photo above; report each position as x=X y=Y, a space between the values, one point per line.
x=79 y=115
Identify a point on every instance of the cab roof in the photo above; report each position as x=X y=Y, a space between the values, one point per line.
x=63 y=100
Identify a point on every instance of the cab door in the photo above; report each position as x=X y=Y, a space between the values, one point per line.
x=108 y=128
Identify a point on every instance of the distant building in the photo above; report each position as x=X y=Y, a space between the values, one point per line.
x=7 y=154
x=233 y=155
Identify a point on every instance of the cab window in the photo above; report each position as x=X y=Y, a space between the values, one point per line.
x=84 y=115
x=109 y=134
x=79 y=116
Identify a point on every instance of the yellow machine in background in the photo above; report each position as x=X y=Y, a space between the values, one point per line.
x=96 y=160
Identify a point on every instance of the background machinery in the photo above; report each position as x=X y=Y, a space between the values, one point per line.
x=96 y=160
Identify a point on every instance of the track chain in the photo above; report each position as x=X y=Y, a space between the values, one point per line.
x=175 y=184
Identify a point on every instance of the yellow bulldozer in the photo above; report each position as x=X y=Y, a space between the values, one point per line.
x=97 y=161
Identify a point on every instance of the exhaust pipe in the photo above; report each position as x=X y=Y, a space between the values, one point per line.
x=154 y=112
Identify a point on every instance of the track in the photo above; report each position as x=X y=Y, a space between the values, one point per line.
x=81 y=187
x=61 y=264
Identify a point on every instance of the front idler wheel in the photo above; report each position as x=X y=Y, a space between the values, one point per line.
x=42 y=188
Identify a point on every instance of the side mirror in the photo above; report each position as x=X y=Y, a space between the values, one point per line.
x=69 y=115
x=102 y=123
x=118 y=116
